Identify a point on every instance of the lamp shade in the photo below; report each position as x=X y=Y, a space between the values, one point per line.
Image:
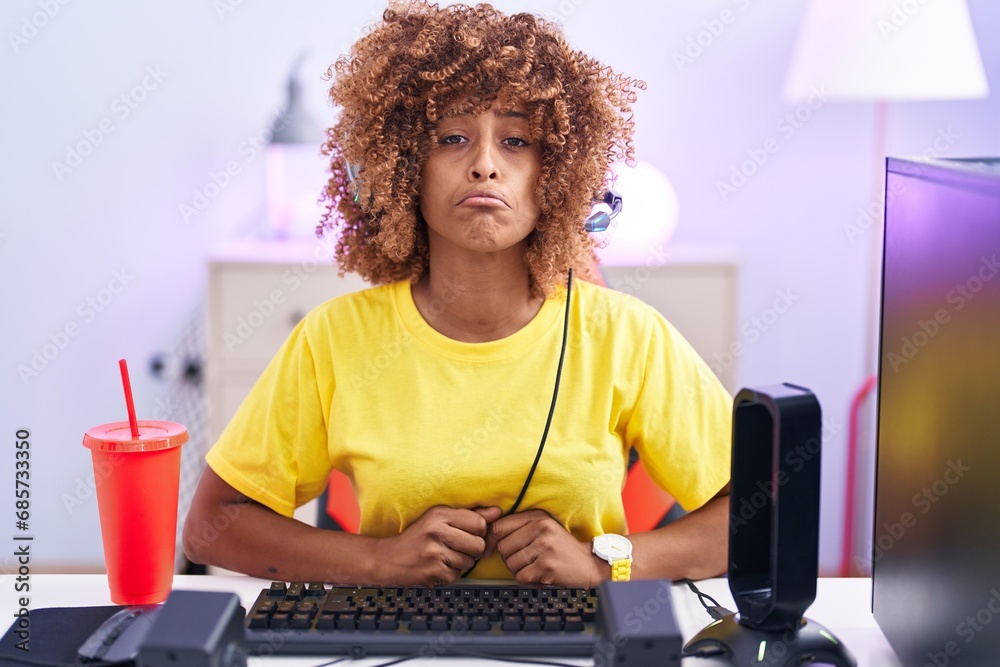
x=887 y=50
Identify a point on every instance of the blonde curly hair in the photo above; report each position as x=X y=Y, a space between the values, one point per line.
x=423 y=61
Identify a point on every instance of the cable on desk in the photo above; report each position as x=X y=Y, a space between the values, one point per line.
x=396 y=661
x=483 y=656
x=333 y=662
x=517 y=661
x=716 y=611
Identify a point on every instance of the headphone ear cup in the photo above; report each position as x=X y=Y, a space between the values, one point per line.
x=597 y=222
x=354 y=178
x=600 y=220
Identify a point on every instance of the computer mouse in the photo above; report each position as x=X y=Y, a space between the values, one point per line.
x=120 y=636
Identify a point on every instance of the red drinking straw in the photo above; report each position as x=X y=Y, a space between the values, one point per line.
x=133 y=424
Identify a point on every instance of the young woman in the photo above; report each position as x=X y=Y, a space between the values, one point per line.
x=494 y=442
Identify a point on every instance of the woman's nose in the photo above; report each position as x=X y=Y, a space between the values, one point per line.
x=483 y=164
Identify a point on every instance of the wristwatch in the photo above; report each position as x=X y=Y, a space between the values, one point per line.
x=617 y=550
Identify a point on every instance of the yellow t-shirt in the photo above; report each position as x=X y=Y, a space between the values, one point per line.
x=415 y=419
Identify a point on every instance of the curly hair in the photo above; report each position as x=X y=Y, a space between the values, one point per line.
x=423 y=62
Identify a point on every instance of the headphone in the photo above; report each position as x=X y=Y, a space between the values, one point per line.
x=599 y=221
x=595 y=222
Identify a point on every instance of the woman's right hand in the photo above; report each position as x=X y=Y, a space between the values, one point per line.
x=436 y=548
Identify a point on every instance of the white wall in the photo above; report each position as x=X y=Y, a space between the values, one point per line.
x=221 y=67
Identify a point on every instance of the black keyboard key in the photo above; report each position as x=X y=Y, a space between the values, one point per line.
x=573 y=624
x=366 y=622
x=479 y=623
x=511 y=623
x=439 y=622
x=315 y=590
x=387 y=623
x=327 y=621
x=338 y=605
x=532 y=622
x=277 y=589
x=295 y=591
x=301 y=621
x=259 y=621
x=418 y=622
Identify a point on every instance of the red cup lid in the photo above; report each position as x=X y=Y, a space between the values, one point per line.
x=153 y=435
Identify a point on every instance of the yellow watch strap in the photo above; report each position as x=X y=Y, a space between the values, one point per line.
x=621 y=570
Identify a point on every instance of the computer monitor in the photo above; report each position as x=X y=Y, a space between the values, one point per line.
x=936 y=537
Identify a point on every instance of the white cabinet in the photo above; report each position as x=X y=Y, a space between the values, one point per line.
x=696 y=289
x=255 y=299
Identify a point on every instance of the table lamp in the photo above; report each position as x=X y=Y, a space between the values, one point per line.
x=880 y=51
x=295 y=170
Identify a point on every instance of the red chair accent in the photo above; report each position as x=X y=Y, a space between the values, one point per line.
x=646 y=504
x=341 y=503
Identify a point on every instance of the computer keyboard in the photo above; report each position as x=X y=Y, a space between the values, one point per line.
x=459 y=619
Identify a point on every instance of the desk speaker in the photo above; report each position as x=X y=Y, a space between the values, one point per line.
x=773 y=536
x=196 y=629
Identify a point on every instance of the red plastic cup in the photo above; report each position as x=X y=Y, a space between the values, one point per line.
x=137 y=481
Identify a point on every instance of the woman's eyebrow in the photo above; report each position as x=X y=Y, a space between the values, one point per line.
x=511 y=114
x=496 y=112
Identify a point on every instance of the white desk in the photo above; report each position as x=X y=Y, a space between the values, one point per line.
x=842 y=605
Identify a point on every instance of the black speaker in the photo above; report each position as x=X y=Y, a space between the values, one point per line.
x=773 y=535
x=196 y=629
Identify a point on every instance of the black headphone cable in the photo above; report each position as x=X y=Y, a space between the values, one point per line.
x=552 y=409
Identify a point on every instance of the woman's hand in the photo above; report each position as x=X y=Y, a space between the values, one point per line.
x=538 y=550
x=436 y=548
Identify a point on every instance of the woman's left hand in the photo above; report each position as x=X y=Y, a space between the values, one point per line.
x=538 y=550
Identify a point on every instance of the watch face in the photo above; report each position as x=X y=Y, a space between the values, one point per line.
x=612 y=546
